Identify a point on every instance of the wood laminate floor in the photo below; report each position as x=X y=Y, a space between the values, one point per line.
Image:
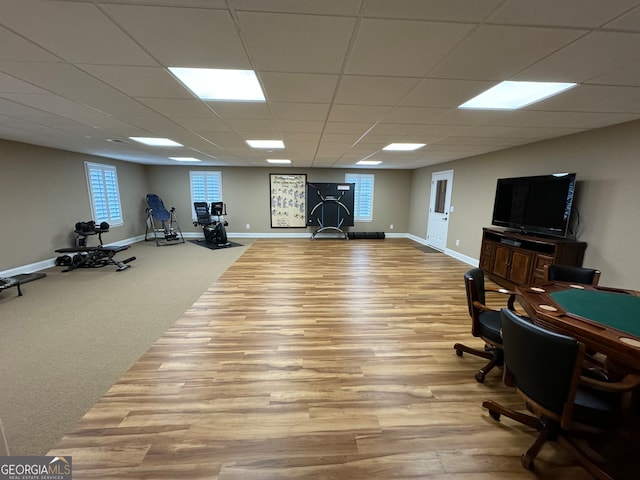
x=313 y=359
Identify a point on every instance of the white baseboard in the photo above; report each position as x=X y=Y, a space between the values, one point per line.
x=37 y=266
x=452 y=253
x=50 y=262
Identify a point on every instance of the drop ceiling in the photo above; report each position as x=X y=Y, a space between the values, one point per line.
x=342 y=78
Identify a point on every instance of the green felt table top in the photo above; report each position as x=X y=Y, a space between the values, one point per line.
x=616 y=310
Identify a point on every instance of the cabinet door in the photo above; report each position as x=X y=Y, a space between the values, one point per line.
x=520 y=267
x=539 y=263
x=501 y=261
x=486 y=254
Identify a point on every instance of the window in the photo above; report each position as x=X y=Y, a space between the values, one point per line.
x=363 y=196
x=205 y=187
x=102 y=181
x=441 y=196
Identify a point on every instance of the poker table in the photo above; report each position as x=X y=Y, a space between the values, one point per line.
x=606 y=320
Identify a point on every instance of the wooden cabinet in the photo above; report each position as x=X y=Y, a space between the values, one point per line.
x=511 y=259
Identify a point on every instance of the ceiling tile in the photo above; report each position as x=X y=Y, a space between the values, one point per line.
x=412 y=115
x=325 y=7
x=629 y=21
x=458 y=10
x=74 y=31
x=64 y=79
x=297 y=126
x=357 y=113
x=402 y=47
x=593 y=98
x=372 y=90
x=497 y=52
x=628 y=75
x=220 y=4
x=341 y=77
x=574 y=13
x=14 y=47
x=299 y=111
x=178 y=108
x=593 y=55
x=9 y=84
x=139 y=81
x=248 y=129
x=433 y=92
x=293 y=138
x=56 y=105
x=298 y=87
x=203 y=124
x=183 y=37
x=345 y=139
x=297 y=43
x=241 y=110
x=348 y=128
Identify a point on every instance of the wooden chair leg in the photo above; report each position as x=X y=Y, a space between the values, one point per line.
x=494 y=356
x=460 y=348
x=530 y=455
x=495 y=410
x=584 y=460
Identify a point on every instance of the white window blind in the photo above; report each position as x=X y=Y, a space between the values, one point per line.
x=363 y=196
x=205 y=187
x=102 y=181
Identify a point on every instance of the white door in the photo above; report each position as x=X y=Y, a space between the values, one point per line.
x=439 y=207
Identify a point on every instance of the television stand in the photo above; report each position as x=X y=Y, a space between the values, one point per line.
x=512 y=258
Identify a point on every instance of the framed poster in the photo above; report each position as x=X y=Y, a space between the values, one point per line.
x=288 y=200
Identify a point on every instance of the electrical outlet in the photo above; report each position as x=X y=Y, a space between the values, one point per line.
x=457 y=243
x=248 y=226
x=391 y=227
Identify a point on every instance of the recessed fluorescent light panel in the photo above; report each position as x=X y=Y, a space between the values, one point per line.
x=514 y=95
x=156 y=142
x=279 y=161
x=369 y=162
x=185 y=159
x=219 y=84
x=404 y=147
x=266 y=143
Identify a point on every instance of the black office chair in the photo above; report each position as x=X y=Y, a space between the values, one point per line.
x=545 y=367
x=485 y=322
x=568 y=273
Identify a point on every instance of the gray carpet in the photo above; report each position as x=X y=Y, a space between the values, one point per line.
x=73 y=334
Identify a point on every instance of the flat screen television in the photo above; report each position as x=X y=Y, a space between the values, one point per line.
x=539 y=204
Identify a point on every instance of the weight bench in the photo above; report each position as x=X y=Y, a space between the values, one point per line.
x=8 y=282
x=95 y=257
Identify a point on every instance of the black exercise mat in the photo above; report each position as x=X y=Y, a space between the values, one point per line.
x=426 y=249
x=213 y=246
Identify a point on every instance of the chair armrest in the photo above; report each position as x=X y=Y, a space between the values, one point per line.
x=483 y=307
x=504 y=291
x=629 y=382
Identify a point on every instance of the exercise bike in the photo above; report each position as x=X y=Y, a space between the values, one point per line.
x=214 y=229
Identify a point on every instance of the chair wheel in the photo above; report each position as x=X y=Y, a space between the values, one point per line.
x=494 y=415
x=459 y=353
x=479 y=377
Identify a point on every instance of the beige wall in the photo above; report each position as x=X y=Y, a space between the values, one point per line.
x=608 y=195
x=44 y=193
x=246 y=193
